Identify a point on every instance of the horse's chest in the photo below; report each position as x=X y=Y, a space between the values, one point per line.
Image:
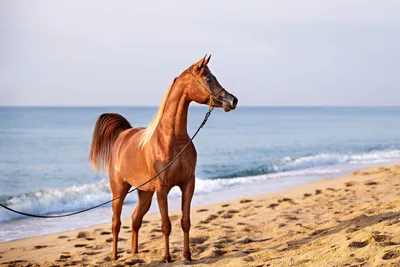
x=181 y=169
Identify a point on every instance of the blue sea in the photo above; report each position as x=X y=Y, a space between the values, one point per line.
x=44 y=167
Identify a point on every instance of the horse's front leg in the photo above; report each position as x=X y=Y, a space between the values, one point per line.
x=187 y=194
x=162 y=198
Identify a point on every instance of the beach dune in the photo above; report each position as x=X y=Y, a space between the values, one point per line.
x=348 y=221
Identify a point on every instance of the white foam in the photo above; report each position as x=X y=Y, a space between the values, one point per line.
x=84 y=196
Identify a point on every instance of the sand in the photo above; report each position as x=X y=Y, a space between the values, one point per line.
x=349 y=221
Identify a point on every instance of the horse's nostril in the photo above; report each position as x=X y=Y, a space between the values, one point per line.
x=234 y=102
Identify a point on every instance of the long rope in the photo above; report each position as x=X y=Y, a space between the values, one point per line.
x=210 y=109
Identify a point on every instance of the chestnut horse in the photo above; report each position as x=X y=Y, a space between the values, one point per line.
x=133 y=155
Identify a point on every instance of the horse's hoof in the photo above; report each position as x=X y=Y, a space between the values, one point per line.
x=114 y=257
x=167 y=259
x=135 y=251
x=188 y=256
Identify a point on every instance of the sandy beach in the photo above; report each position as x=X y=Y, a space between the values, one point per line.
x=353 y=220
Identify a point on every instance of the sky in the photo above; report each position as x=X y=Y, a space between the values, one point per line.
x=269 y=53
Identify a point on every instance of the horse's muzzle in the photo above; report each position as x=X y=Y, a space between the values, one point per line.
x=229 y=102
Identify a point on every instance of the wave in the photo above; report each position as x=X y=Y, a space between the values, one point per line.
x=56 y=201
x=318 y=160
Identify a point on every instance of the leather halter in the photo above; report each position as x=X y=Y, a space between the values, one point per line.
x=212 y=95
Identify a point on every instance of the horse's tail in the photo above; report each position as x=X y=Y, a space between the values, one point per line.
x=108 y=127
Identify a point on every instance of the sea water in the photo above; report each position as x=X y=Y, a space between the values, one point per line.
x=44 y=166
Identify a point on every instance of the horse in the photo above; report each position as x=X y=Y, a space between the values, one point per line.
x=131 y=156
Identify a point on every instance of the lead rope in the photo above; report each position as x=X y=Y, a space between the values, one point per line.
x=210 y=109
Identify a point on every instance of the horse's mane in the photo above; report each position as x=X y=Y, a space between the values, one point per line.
x=149 y=131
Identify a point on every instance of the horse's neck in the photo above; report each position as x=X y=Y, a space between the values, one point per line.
x=173 y=123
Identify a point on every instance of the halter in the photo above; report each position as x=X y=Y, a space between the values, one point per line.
x=212 y=95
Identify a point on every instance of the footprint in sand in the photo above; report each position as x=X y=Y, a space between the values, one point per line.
x=209 y=218
x=225 y=205
x=273 y=205
x=370 y=183
x=307 y=195
x=40 y=247
x=348 y=184
x=227 y=216
x=361 y=244
x=62 y=237
x=232 y=211
x=125 y=227
x=105 y=233
x=82 y=235
x=389 y=255
x=245 y=201
x=352 y=230
x=202 y=210
x=317 y=232
x=64 y=257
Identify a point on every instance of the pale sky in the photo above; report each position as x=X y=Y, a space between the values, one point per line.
x=335 y=53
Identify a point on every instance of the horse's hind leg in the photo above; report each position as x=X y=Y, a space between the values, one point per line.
x=118 y=190
x=142 y=207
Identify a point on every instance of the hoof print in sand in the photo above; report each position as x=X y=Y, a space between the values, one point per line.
x=352 y=230
x=82 y=235
x=389 y=255
x=358 y=244
x=105 y=233
x=273 y=205
x=242 y=201
x=209 y=218
x=202 y=210
x=381 y=238
x=348 y=184
x=39 y=247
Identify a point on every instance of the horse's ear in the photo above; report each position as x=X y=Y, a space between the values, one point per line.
x=201 y=63
x=207 y=60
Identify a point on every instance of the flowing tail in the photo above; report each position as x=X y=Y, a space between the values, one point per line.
x=108 y=127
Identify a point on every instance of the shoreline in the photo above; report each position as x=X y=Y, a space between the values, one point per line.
x=309 y=228
x=241 y=187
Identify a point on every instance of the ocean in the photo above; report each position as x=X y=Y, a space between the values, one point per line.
x=44 y=166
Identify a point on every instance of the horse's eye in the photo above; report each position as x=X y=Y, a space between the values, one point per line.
x=207 y=78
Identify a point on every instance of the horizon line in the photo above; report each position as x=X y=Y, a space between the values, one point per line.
x=199 y=106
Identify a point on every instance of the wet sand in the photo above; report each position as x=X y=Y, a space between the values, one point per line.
x=348 y=221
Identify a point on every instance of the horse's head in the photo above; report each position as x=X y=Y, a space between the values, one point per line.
x=204 y=87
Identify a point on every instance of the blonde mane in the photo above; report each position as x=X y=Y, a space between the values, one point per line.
x=149 y=131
